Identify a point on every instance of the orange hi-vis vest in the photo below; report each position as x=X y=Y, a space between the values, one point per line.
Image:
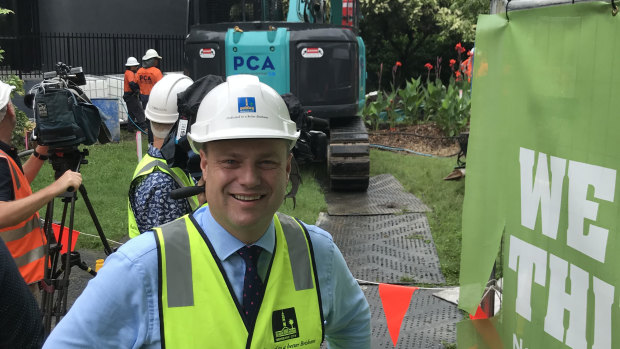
x=147 y=78
x=26 y=240
x=129 y=77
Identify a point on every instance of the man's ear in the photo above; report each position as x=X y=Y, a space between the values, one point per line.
x=203 y=163
x=288 y=165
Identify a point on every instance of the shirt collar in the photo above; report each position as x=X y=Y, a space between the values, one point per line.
x=12 y=152
x=223 y=242
x=154 y=152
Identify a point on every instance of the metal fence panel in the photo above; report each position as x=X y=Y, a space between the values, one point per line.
x=98 y=54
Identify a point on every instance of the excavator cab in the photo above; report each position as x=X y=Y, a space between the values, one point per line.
x=308 y=48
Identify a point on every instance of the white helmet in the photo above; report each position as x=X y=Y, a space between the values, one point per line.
x=242 y=107
x=162 y=106
x=151 y=53
x=132 y=62
x=5 y=96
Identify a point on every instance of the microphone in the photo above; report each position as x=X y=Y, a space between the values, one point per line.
x=186 y=192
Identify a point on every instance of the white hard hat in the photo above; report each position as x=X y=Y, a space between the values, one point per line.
x=132 y=61
x=162 y=106
x=242 y=107
x=151 y=53
x=5 y=93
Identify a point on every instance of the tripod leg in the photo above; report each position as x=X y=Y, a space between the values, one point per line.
x=91 y=210
x=62 y=301
x=46 y=298
x=60 y=234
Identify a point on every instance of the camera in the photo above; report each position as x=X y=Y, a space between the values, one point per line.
x=64 y=115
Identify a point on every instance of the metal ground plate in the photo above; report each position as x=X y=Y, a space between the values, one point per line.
x=386 y=248
x=429 y=322
x=385 y=195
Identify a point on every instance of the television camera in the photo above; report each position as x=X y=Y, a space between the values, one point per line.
x=64 y=115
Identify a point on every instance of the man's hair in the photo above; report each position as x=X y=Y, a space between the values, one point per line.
x=3 y=111
x=160 y=130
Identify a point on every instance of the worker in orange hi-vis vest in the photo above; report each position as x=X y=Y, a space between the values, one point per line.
x=148 y=75
x=20 y=227
x=131 y=95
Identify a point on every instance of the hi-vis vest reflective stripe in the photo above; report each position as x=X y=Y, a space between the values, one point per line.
x=197 y=306
x=148 y=165
x=25 y=240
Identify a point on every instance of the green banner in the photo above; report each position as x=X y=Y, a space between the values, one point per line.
x=543 y=155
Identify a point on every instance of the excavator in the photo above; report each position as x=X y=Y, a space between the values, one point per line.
x=308 y=49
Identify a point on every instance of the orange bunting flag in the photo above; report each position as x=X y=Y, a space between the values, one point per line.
x=480 y=314
x=395 y=300
x=65 y=237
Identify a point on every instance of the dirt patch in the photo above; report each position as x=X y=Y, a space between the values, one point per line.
x=423 y=138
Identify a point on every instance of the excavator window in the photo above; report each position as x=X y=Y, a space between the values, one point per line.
x=220 y=11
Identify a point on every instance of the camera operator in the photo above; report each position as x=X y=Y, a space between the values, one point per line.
x=150 y=204
x=20 y=226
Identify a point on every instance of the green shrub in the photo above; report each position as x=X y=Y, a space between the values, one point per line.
x=434 y=95
x=373 y=109
x=23 y=123
x=453 y=113
x=411 y=99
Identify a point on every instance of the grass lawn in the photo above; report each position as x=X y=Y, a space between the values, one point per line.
x=423 y=177
x=110 y=167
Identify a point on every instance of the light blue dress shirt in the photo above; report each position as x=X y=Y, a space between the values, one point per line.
x=119 y=307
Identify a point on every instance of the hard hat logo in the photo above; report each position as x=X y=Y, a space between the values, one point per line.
x=246 y=104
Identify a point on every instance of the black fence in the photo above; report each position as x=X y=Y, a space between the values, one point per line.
x=28 y=56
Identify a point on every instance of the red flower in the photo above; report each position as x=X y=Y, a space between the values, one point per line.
x=469 y=53
x=399 y=64
x=428 y=66
x=458 y=75
x=459 y=48
x=452 y=62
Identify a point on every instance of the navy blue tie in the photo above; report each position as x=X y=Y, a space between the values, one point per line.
x=252 y=284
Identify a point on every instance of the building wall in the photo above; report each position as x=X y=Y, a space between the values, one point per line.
x=113 y=16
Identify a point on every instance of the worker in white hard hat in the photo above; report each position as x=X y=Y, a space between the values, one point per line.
x=20 y=226
x=150 y=204
x=233 y=273
x=148 y=75
x=131 y=96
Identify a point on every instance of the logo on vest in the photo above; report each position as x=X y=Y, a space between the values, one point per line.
x=284 y=324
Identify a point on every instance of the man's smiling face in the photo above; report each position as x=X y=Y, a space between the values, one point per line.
x=245 y=183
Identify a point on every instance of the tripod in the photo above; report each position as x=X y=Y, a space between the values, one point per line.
x=58 y=266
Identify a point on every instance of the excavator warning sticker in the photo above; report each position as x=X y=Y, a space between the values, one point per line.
x=312 y=52
x=207 y=53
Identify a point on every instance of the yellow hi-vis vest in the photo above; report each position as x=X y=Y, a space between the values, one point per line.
x=198 y=307
x=147 y=165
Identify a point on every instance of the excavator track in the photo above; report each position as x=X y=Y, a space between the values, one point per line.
x=348 y=155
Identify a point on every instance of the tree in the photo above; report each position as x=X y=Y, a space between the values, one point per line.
x=415 y=32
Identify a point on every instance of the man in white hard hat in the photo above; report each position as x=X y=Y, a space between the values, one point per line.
x=20 y=226
x=233 y=273
x=150 y=204
x=131 y=95
x=148 y=75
